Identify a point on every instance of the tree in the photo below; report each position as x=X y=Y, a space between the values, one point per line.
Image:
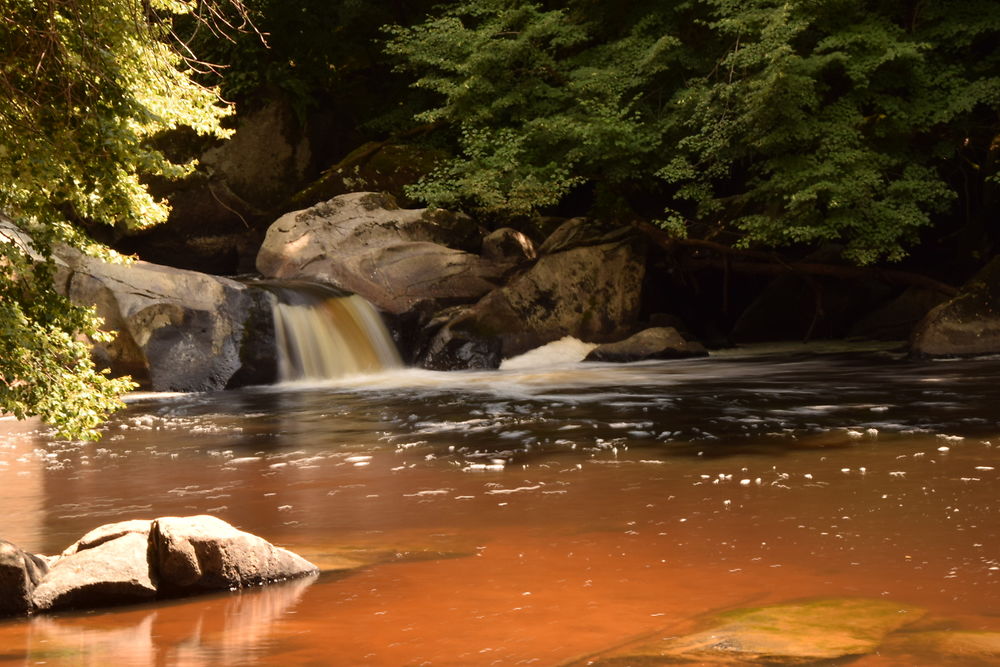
x=760 y=122
x=84 y=86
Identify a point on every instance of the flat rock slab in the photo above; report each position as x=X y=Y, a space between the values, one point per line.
x=114 y=572
x=789 y=634
x=202 y=553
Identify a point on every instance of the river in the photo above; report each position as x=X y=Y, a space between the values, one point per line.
x=534 y=516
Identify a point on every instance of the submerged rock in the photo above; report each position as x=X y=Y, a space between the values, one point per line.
x=968 y=324
x=652 y=343
x=795 y=633
x=20 y=573
x=112 y=572
x=200 y=553
x=950 y=646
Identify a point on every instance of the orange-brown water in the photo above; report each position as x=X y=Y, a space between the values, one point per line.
x=534 y=517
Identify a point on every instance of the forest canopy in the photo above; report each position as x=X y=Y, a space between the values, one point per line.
x=764 y=122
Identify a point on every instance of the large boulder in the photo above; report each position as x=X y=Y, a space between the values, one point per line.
x=20 y=573
x=651 y=343
x=177 y=330
x=112 y=572
x=396 y=258
x=968 y=324
x=140 y=560
x=192 y=554
x=587 y=283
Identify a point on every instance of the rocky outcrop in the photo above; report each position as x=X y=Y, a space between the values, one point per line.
x=20 y=573
x=587 y=283
x=396 y=258
x=136 y=561
x=652 y=343
x=508 y=245
x=110 y=573
x=968 y=324
x=808 y=632
x=177 y=330
x=204 y=553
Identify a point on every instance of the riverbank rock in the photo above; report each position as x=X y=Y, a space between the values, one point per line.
x=110 y=573
x=201 y=553
x=968 y=324
x=177 y=330
x=141 y=560
x=652 y=343
x=797 y=633
x=396 y=258
x=586 y=283
x=20 y=573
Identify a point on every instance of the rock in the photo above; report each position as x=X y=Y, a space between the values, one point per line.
x=968 y=324
x=798 y=307
x=897 y=319
x=177 y=330
x=396 y=258
x=508 y=245
x=113 y=572
x=202 y=553
x=652 y=343
x=796 y=633
x=590 y=292
x=108 y=532
x=950 y=647
x=219 y=212
x=20 y=573
x=372 y=167
x=454 y=349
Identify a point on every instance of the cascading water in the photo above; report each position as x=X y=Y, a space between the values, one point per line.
x=322 y=334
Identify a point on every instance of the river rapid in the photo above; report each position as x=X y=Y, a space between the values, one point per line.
x=534 y=515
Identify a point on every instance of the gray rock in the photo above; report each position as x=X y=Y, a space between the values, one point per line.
x=20 y=573
x=897 y=319
x=108 y=532
x=177 y=330
x=968 y=324
x=590 y=292
x=652 y=343
x=113 y=572
x=508 y=245
x=805 y=632
x=396 y=258
x=200 y=553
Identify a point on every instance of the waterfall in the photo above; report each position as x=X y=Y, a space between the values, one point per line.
x=322 y=334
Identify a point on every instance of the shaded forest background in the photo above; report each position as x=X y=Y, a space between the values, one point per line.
x=744 y=138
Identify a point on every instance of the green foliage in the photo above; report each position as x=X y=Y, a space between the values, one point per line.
x=781 y=122
x=83 y=86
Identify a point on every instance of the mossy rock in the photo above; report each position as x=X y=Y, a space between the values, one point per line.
x=796 y=633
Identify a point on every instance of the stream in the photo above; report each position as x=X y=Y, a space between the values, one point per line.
x=534 y=516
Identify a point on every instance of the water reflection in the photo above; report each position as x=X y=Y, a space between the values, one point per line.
x=228 y=629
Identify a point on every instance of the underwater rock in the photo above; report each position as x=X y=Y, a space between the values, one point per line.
x=795 y=633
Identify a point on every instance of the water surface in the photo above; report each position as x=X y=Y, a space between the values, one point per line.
x=534 y=516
